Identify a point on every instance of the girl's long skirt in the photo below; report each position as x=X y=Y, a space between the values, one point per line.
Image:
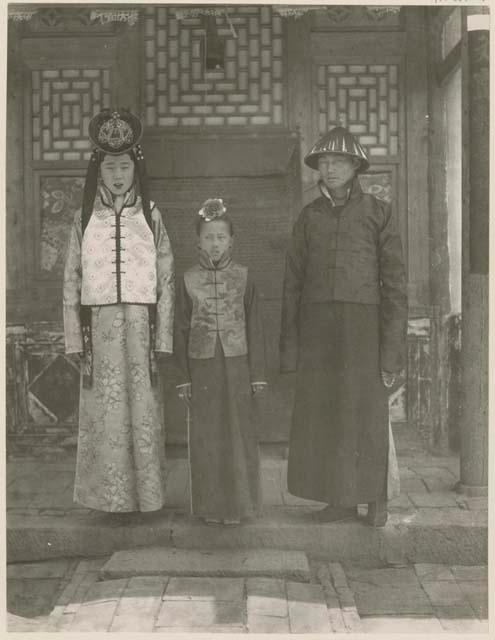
x=223 y=442
x=121 y=449
x=339 y=438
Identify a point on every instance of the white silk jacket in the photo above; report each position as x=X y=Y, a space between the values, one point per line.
x=118 y=256
x=119 y=260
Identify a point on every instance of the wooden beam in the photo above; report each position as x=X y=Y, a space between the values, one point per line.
x=325 y=45
x=445 y=67
x=77 y=52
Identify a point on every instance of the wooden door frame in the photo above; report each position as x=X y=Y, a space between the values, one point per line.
x=410 y=46
x=342 y=50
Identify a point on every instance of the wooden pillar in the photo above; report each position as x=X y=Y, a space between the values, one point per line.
x=474 y=353
x=15 y=273
x=299 y=67
x=418 y=219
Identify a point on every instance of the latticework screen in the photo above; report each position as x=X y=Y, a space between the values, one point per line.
x=247 y=89
x=363 y=98
x=62 y=103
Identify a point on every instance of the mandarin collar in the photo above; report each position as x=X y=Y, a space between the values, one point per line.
x=107 y=198
x=207 y=263
x=353 y=191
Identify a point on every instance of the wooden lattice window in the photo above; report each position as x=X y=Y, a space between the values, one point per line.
x=62 y=102
x=363 y=98
x=246 y=90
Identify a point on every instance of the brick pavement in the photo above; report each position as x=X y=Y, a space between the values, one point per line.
x=422 y=598
x=45 y=486
x=335 y=599
x=435 y=589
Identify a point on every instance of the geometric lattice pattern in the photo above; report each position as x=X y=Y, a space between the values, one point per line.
x=363 y=98
x=53 y=393
x=248 y=90
x=63 y=101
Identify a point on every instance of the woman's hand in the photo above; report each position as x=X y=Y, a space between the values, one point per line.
x=388 y=378
x=257 y=387
x=184 y=391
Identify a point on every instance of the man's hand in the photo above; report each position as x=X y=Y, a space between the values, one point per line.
x=184 y=391
x=258 y=387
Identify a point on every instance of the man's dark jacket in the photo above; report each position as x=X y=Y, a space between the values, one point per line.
x=346 y=254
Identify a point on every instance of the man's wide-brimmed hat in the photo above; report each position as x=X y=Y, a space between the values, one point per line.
x=341 y=141
x=115 y=131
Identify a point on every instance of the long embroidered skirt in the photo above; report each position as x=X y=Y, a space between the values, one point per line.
x=223 y=440
x=338 y=448
x=121 y=448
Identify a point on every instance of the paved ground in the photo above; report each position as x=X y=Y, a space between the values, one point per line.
x=428 y=522
x=45 y=486
x=423 y=598
x=412 y=576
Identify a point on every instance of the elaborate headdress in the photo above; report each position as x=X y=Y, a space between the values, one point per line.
x=114 y=132
x=341 y=141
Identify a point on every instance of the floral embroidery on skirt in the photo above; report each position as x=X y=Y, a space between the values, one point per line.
x=121 y=447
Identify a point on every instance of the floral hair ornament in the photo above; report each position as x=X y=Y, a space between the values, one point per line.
x=212 y=209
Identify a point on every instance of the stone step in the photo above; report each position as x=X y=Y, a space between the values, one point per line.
x=219 y=562
x=208 y=603
x=445 y=535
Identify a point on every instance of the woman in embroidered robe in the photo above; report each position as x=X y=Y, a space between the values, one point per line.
x=219 y=350
x=118 y=315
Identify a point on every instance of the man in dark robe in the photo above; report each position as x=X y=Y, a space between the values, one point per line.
x=344 y=325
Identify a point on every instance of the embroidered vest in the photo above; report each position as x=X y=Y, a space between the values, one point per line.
x=218 y=310
x=118 y=257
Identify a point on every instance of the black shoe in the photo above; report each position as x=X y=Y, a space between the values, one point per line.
x=377 y=513
x=336 y=514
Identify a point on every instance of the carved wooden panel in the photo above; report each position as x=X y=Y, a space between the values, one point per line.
x=62 y=20
x=60 y=197
x=344 y=17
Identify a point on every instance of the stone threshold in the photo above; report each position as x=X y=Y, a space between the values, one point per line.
x=444 y=535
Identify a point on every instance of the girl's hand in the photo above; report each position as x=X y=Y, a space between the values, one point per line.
x=257 y=387
x=184 y=391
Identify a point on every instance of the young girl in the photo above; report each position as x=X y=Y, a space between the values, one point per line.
x=118 y=312
x=219 y=349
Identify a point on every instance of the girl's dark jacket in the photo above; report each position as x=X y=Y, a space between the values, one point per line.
x=346 y=254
